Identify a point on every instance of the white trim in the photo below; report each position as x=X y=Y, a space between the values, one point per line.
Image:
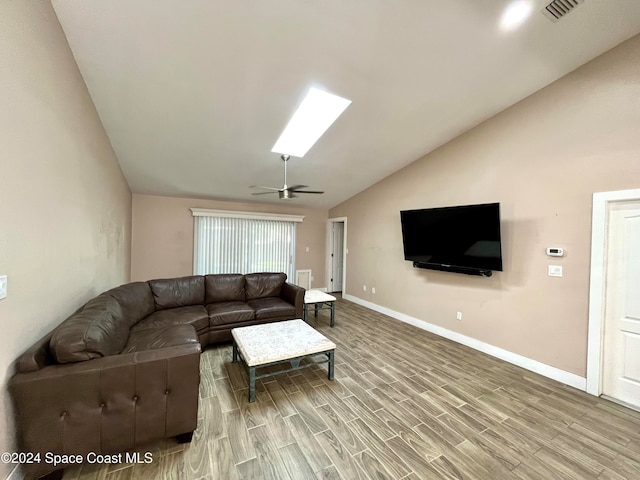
x=599 y=226
x=543 y=369
x=345 y=251
x=281 y=217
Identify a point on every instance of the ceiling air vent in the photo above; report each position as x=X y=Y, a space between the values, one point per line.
x=559 y=8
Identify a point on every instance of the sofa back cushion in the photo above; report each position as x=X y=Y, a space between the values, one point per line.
x=261 y=285
x=225 y=287
x=177 y=292
x=135 y=299
x=96 y=330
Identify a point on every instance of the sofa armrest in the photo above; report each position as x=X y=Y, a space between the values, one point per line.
x=295 y=296
x=37 y=356
x=107 y=405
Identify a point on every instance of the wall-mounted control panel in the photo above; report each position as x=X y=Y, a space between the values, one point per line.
x=555 y=252
x=3 y=286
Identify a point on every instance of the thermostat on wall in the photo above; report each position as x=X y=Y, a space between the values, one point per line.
x=555 y=252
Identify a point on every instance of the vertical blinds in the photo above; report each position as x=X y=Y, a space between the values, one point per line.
x=240 y=245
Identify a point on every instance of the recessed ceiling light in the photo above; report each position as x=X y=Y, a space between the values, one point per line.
x=313 y=117
x=515 y=14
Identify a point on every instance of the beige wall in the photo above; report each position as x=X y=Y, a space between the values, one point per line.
x=542 y=159
x=162 y=235
x=65 y=208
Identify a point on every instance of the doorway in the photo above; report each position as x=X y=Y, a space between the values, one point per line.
x=621 y=336
x=336 y=254
x=613 y=364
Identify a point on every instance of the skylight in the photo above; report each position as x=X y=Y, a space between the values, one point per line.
x=314 y=116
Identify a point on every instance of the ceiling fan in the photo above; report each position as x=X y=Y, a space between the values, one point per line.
x=286 y=191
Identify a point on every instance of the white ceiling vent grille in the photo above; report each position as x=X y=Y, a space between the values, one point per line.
x=559 y=8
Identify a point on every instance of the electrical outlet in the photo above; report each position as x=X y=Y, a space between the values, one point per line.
x=373 y=290
x=364 y=288
x=459 y=316
x=3 y=286
x=555 y=270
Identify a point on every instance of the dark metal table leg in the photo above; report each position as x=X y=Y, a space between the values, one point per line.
x=235 y=352
x=331 y=354
x=252 y=384
x=316 y=306
x=333 y=312
x=304 y=311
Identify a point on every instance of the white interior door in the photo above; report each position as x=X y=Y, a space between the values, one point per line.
x=337 y=256
x=621 y=355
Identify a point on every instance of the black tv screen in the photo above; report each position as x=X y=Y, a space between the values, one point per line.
x=465 y=236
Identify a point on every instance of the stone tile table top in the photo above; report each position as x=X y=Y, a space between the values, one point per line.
x=317 y=296
x=277 y=341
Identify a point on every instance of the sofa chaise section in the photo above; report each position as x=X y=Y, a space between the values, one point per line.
x=73 y=395
x=123 y=370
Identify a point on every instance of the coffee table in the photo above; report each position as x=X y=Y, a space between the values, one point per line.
x=278 y=343
x=320 y=301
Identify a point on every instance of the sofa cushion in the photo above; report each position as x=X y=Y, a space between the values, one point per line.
x=272 y=307
x=97 y=330
x=135 y=299
x=260 y=285
x=230 y=312
x=195 y=315
x=152 y=339
x=177 y=292
x=224 y=288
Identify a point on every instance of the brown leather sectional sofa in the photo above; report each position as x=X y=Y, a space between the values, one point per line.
x=123 y=370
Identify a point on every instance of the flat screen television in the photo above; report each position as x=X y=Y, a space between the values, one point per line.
x=463 y=239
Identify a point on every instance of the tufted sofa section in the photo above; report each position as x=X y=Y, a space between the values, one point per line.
x=123 y=370
x=108 y=404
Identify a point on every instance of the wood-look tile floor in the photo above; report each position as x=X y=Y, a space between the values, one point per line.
x=405 y=404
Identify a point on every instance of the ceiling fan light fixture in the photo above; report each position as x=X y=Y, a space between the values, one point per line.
x=285 y=194
x=316 y=113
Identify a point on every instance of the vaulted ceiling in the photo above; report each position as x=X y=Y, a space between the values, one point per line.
x=194 y=93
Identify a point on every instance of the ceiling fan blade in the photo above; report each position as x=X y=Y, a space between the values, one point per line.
x=285 y=192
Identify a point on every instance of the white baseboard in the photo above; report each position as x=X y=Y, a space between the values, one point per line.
x=543 y=369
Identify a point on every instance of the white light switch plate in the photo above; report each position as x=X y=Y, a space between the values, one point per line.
x=3 y=286
x=555 y=270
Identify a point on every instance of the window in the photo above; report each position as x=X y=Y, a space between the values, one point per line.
x=243 y=242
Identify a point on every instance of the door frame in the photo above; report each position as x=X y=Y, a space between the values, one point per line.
x=597 y=287
x=344 y=252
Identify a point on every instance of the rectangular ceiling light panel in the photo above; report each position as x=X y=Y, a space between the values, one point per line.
x=313 y=117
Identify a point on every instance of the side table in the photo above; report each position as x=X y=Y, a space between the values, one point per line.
x=320 y=301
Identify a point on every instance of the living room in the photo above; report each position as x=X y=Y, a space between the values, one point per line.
x=73 y=227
